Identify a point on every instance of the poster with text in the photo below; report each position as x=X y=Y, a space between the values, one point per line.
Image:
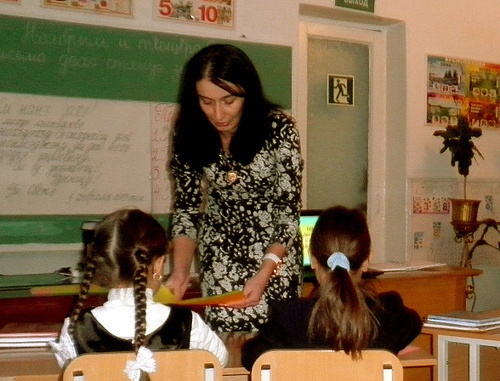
x=463 y=87
x=213 y=12
x=111 y=7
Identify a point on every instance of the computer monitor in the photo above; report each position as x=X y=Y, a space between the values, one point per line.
x=308 y=219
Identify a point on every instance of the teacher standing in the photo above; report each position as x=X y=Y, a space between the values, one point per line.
x=238 y=170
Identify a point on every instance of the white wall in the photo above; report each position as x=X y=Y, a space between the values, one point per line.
x=455 y=28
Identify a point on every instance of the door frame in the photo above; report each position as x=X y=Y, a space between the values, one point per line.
x=382 y=228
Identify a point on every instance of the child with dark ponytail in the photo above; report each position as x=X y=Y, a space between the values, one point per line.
x=128 y=255
x=345 y=315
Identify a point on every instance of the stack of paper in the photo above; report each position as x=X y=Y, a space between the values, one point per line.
x=466 y=320
x=13 y=335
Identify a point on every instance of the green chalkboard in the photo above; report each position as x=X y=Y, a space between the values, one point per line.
x=75 y=60
x=16 y=230
x=44 y=57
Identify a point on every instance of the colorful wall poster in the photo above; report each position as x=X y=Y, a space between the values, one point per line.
x=213 y=12
x=112 y=7
x=463 y=87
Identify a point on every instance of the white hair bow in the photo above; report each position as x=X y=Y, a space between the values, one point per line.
x=144 y=361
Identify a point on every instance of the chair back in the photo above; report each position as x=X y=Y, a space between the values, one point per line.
x=312 y=365
x=189 y=364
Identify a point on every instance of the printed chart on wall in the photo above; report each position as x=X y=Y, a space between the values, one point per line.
x=433 y=235
x=56 y=155
x=463 y=87
x=162 y=119
x=69 y=155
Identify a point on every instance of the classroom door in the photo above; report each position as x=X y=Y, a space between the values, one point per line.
x=344 y=140
x=337 y=124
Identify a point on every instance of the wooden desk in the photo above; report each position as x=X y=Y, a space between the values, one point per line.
x=431 y=291
x=41 y=362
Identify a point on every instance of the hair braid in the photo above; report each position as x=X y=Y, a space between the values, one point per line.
x=140 y=279
x=82 y=295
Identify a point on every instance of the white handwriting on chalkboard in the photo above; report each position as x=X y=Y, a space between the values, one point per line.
x=71 y=41
x=181 y=47
x=21 y=56
x=74 y=57
x=150 y=68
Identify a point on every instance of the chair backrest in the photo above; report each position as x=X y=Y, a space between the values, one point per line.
x=189 y=364
x=311 y=365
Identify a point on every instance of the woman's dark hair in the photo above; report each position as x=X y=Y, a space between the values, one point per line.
x=341 y=316
x=125 y=243
x=196 y=141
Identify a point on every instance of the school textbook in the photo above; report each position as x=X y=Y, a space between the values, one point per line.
x=15 y=335
x=477 y=321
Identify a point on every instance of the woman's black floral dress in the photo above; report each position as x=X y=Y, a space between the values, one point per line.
x=241 y=220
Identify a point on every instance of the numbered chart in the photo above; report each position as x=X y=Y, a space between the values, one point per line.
x=431 y=205
x=215 y=12
x=162 y=119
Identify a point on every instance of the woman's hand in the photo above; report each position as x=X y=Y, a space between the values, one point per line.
x=184 y=249
x=253 y=290
x=178 y=283
x=256 y=285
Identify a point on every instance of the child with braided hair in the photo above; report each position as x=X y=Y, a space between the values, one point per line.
x=128 y=255
x=345 y=315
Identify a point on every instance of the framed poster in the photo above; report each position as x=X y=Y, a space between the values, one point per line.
x=114 y=7
x=211 y=12
x=462 y=87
